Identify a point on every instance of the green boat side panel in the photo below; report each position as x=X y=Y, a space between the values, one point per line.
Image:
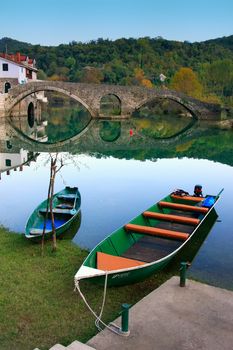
x=107 y=247
x=121 y=240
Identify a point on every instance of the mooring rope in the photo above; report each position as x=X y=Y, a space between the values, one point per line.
x=103 y=303
x=98 y=318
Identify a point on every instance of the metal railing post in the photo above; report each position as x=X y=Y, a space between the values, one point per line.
x=183 y=269
x=125 y=319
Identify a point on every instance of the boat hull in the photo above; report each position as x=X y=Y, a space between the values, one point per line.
x=62 y=220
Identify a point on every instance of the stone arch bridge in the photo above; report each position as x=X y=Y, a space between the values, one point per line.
x=130 y=97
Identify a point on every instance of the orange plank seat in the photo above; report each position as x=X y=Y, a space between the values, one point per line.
x=188 y=198
x=148 y=230
x=184 y=207
x=107 y=262
x=173 y=218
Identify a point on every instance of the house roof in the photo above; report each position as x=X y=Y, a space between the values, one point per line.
x=20 y=60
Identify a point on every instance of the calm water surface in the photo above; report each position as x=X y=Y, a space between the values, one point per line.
x=121 y=174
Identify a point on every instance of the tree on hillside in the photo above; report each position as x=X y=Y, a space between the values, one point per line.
x=186 y=81
x=41 y=75
x=140 y=79
x=90 y=75
x=218 y=77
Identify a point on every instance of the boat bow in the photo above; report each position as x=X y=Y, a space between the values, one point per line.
x=88 y=272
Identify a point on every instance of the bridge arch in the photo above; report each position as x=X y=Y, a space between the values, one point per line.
x=131 y=97
x=7 y=87
x=110 y=101
x=31 y=114
x=34 y=89
x=186 y=105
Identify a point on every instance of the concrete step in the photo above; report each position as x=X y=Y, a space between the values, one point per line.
x=57 y=347
x=76 y=345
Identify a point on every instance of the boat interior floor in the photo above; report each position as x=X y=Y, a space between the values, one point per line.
x=150 y=248
x=187 y=214
x=173 y=226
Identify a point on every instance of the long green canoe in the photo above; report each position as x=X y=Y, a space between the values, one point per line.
x=148 y=242
x=66 y=206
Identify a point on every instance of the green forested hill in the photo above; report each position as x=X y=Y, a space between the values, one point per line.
x=135 y=61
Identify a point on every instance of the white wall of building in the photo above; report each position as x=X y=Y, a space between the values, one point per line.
x=15 y=71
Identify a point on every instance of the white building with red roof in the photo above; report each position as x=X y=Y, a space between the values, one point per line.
x=17 y=66
x=20 y=69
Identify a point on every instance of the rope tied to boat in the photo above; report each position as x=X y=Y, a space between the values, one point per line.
x=98 y=320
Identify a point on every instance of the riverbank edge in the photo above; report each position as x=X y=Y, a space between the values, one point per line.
x=38 y=305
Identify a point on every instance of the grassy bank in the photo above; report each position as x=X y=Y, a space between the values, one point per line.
x=38 y=306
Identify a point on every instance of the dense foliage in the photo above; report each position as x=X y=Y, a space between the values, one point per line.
x=138 y=62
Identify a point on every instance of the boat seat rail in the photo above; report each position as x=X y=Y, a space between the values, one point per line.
x=172 y=218
x=148 y=230
x=184 y=207
x=56 y=211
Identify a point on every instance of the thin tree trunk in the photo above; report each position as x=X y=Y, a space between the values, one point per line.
x=46 y=215
x=53 y=165
x=53 y=172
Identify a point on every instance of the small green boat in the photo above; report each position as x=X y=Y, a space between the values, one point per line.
x=66 y=206
x=148 y=242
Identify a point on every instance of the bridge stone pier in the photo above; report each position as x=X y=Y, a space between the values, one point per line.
x=131 y=97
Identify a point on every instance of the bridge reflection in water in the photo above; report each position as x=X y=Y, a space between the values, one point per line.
x=137 y=138
x=64 y=119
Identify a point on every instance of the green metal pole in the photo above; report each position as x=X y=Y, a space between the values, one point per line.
x=125 y=318
x=183 y=268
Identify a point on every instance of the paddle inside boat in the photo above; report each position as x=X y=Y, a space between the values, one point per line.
x=148 y=242
x=66 y=206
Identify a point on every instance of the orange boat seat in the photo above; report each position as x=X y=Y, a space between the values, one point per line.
x=107 y=262
x=188 y=198
x=183 y=207
x=148 y=230
x=173 y=218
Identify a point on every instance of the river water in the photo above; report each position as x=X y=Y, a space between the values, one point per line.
x=122 y=168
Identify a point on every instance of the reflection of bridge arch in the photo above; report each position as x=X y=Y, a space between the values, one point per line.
x=44 y=146
x=109 y=130
x=39 y=88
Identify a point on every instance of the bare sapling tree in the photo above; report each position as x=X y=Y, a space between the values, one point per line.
x=54 y=169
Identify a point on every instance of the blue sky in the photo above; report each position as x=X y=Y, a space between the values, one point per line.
x=51 y=22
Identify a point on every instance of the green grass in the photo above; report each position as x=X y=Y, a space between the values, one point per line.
x=38 y=305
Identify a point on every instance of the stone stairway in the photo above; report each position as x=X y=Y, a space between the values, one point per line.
x=76 y=345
